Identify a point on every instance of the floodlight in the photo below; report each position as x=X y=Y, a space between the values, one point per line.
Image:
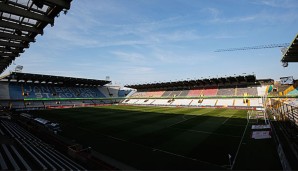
x=18 y=32
x=285 y=64
x=38 y=3
x=19 y=68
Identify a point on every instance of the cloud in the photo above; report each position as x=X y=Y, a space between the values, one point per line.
x=88 y=30
x=213 y=12
x=277 y=3
x=260 y=18
x=234 y=19
x=130 y=57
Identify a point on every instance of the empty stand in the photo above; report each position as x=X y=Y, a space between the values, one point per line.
x=244 y=90
x=51 y=103
x=195 y=102
x=167 y=93
x=176 y=93
x=112 y=92
x=209 y=102
x=257 y=102
x=4 y=90
x=181 y=102
x=17 y=104
x=195 y=92
x=262 y=90
x=123 y=93
x=19 y=91
x=4 y=103
x=211 y=91
x=184 y=93
x=34 y=153
x=240 y=103
x=41 y=91
x=155 y=93
x=139 y=94
x=144 y=101
x=226 y=91
x=131 y=101
x=162 y=102
x=15 y=91
x=225 y=102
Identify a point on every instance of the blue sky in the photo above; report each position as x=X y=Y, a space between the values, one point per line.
x=142 y=41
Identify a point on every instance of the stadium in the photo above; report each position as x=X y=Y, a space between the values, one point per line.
x=51 y=122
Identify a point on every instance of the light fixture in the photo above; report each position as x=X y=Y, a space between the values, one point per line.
x=38 y=3
x=18 y=32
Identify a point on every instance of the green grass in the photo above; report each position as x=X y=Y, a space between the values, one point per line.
x=156 y=137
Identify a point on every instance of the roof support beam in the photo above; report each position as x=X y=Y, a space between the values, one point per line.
x=62 y=3
x=11 y=50
x=8 y=54
x=19 y=45
x=7 y=24
x=16 y=37
x=290 y=59
x=24 y=13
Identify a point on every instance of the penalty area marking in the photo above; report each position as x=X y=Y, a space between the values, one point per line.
x=226 y=120
x=205 y=132
x=189 y=158
x=186 y=119
x=181 y=121
x=153 y=149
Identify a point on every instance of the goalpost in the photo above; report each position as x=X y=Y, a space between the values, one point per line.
x=252 y=116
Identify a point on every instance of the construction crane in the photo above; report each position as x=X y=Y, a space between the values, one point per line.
x=283 y=46
x=280 y=45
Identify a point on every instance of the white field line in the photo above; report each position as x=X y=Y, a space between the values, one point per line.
x=205 y=132
x=153 y=149
x=226 y=120
x=187 y=119
x=189 y=158
x=2 y=133
x=239 y=146
x=181 y=121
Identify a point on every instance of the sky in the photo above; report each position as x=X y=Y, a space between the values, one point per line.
x=148 y=41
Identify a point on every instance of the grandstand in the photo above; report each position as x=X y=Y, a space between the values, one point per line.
x=239 y=92
x=50 y=122
x=129 y=116
x=31 y=92
x=24 y=151
x=24 y=91
x=35 y=92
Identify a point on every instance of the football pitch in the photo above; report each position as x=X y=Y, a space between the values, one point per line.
x=156 y=137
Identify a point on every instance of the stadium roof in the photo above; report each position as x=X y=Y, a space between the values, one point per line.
x=291 y=55
x=21 y=21
x=197 y=83
x=38 y=78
